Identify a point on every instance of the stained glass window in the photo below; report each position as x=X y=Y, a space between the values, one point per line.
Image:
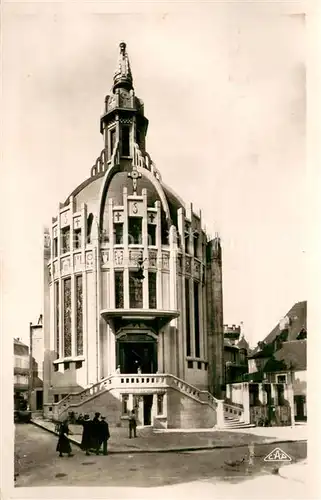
x=196 y=320
x=188 y=319
x=57 y=316
x=119 y=289
x=152 y=280
x=135 y=230
x=67 y=317
x=65 y=240
x=135 y=291
x=79 y=325
x=118 y=233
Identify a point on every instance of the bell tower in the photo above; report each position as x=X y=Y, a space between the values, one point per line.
x=123 y=123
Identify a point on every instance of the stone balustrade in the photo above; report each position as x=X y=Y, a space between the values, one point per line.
x=135 y=382
x=231 y=410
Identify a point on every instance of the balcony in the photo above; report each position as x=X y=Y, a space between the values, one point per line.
x=155 y=318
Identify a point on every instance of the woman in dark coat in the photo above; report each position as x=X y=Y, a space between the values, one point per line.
x=86 y=441
x=63 y=445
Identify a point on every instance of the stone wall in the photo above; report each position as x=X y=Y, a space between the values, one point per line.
x=184 y=412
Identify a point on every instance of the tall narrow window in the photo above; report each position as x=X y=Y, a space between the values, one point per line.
x=55 y=247
x=135 y=291
x=138 y=136
x=152 y=291
x=57 y=308
x=90 y=219
x=160 y=405
x=197 y=320
x=65 y=240
x=195 y=244
x=77 y=238
x=112 y=140
x=118 y=233
x=151 y=234
x=67 y=316
x=188 y=319
x=79 y=326
x=119 y=289
x=125 y=140
x=135 y=230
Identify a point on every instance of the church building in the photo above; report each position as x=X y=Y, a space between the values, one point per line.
x=133 y=308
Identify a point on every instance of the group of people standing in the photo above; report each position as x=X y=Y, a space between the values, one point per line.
x=95 y=434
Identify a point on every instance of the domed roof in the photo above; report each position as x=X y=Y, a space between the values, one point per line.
x=88 y=192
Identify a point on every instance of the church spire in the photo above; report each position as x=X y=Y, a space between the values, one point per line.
x=123 y=75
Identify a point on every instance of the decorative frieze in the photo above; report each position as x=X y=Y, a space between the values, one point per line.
x=135 y=208
x=165 y=260
x=55 y=270
x=134 y=256
x=104 y=256
x=197 y=270
x=79 y=316
x=65 y=219
x=89 y=260
x=188 y=269
x=118 y=216
x=77 y=262
x=180 y=264
x=152 y=217
x=152 y=258
x=118 y=257
x=77 y=222
x=65 y=265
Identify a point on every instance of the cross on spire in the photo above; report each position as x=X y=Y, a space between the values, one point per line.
x=123 y=75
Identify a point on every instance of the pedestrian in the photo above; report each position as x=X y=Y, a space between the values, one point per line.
x=63 y=445
x=104 y=434
x=95 y=433
x=132 y=424
x=86 y=434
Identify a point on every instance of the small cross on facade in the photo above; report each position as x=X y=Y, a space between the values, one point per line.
x=151 y=217
x=117 y=216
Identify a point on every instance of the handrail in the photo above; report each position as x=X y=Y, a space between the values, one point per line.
x=139 y=379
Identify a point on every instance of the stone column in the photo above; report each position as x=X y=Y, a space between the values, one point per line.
x=246 y=403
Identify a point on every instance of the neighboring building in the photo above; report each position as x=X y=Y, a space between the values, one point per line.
x=133 y=314
x=277 y=372
x=235 y=354
x=36 y=365
x=21 y=368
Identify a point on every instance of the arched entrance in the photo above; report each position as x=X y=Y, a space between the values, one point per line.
x=136 y=353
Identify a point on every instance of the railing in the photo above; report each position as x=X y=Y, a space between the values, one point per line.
x=231 y=410
x=135 y=381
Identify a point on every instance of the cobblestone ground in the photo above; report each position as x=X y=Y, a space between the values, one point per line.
x=39 y=464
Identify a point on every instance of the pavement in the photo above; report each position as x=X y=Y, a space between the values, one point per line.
x=213 y=473
x=176 y=440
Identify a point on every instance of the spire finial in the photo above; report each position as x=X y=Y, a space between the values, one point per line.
x=123 y=75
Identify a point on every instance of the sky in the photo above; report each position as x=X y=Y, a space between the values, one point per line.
x=224 y=91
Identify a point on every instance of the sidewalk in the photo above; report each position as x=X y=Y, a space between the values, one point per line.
x=150 y=440
x=295 y=472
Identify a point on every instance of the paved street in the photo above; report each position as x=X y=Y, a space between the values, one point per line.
x=39 y=464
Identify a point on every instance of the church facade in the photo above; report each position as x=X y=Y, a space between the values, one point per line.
x=133 y=308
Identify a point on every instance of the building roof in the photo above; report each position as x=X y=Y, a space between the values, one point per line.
x=19 y=348
x=297 y=316
x=291 y=356
x=243 y=344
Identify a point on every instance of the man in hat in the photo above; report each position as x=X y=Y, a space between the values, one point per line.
x=132 y=423
x=86 y=434
x=104 y=434
x=95 y=433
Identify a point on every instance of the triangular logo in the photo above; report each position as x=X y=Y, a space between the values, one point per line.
x=277 y=455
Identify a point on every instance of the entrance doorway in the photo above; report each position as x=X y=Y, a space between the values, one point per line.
x=300 y=401
x=148 y=403
x=135 y=357
x=39 y=400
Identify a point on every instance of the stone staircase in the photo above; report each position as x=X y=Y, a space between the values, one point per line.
x=234 y=417
x=136 y=384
